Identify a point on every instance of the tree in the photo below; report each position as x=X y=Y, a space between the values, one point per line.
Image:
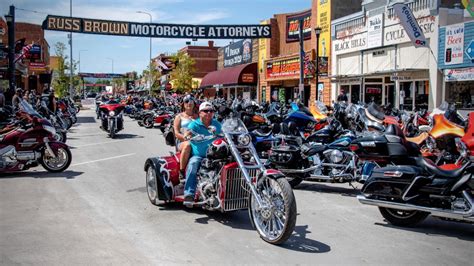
x=182 y=75
x=60 y=81
x=151 y=77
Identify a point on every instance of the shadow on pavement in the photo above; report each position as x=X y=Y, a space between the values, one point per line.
x=68 y=174
x=138 y=189
x=127 y=136
x=299 y=242
x=323 y=188
x=236 y=220
x=435 y=226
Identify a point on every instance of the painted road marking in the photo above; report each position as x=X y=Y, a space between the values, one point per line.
x=99 y=143
x=104 y=159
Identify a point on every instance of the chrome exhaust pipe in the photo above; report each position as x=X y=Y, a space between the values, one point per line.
x=450 y=214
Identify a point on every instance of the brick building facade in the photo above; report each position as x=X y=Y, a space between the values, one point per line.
x=31 y=74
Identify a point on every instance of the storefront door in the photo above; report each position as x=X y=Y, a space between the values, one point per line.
x=389 y=94
x=373 y=93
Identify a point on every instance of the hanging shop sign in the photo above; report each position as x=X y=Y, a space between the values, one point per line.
x=324 y=22
x=156 y=30
x=460 y=74
x=238 y=53
x=323 y=66
x=293 y=26
x=454 y=44
x=248 y=78
x=375 y=31
x=409 y=23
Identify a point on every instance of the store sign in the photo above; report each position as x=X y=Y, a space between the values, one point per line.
x=286 y=68
x=375 y=31
x=238 y=53
x=323 y=66
x=372 y=90
x=354 y=43
x=409 y=23
x=37 y=66
x=293 y=26
x=248 y=78
x=155 y=30
x=396 y=34
x=454 y=44
x=460 y=74
x=34 y=52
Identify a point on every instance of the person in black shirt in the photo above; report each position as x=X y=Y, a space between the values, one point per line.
x=342 y=97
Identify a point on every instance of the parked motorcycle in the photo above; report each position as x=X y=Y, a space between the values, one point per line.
x=30 y=141
x=230 y=178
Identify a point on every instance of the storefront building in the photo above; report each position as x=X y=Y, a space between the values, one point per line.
x=32 y=69
x=236 y=73
x=456 y=60
x=375 y=61
x=279 y=57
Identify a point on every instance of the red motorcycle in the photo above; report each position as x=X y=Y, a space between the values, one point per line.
x=30 y=141
x=230 y=178
x=160 y=118
x=111 y=117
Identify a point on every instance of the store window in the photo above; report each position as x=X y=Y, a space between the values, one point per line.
x=406 y=98
x=422 y=89
x=461 y=93
x=414 y=94
x=373 y=93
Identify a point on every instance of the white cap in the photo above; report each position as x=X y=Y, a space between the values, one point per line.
x=206 y=106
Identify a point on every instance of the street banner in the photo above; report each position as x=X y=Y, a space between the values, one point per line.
x=375 y=31
x=409 y=23
x=101 y=75
x=324 y=22
x=454 y=44
x=155 y=30
x=293 y=26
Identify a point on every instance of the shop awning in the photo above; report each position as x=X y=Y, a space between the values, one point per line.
x=239 y=75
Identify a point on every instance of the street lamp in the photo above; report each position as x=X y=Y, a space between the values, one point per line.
x=83 y=88
x=149 y=64
x=112 y=63
x=317 y=30
x=10 y=18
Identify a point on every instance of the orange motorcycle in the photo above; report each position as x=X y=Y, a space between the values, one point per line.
x=439 y=144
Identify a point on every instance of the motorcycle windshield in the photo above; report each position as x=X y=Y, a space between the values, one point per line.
x=26 y=107
x=234 y=125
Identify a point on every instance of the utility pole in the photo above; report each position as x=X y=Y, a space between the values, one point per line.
x=11 y=53
x=71 y=86
x=301 y=85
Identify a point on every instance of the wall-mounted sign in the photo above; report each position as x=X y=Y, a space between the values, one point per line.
x=375 y=31
x=373 y=90
x=454 y=44
x=460 y=74
x=285 y=68
x=34 y=52
x=248 y=78
x=37 y=66
x=353 y=43
x=323 y=66
x=122 y=28
x=324 y=22
x=293 y=26
x=238 y=53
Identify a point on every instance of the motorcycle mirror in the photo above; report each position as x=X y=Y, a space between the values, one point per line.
x=212 y=129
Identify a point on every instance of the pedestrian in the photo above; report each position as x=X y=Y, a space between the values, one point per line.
x=342 y=97
x=17 y=98
x=2 y=98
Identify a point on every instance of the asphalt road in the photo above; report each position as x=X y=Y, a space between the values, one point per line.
x=97 y=212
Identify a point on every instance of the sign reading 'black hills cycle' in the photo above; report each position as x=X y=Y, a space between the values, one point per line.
x=122 y=28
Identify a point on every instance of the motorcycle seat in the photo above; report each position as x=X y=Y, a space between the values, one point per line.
x=418 y=139
x=433 y=169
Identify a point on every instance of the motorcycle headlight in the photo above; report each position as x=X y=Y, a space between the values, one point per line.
x=50 y=129
x=244 y=139
x=336 y=156
x=111 y=113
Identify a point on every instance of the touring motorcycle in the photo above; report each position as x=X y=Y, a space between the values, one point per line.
x=407 y=193
x=230 y=178
x=30 y=141
x=111 y=117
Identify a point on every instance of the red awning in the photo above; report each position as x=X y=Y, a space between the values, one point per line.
x=238 y=75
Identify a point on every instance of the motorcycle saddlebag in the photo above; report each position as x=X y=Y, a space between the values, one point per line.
x=391 y=181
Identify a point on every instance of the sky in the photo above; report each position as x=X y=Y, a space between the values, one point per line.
x=132 y=53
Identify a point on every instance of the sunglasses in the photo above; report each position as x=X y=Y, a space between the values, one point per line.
x=188 y=101
x=208 y=111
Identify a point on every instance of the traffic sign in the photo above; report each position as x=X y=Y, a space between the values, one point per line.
x=470 y=50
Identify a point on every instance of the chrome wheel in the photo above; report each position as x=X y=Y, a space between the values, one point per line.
x=58 y=163
x=276 y=219
x=151 y=185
